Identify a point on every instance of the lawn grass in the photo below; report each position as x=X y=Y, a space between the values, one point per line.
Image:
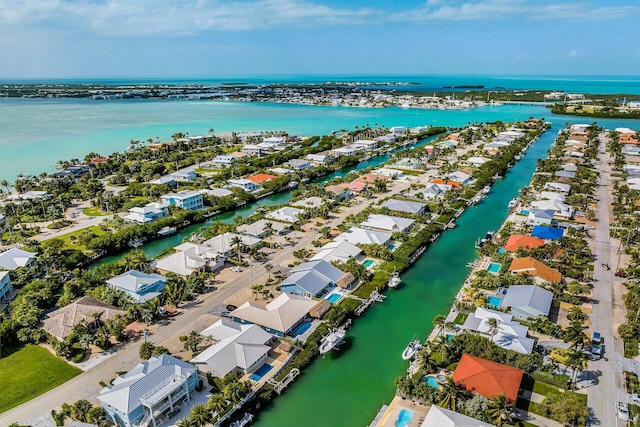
x=94 y=211
x=410 y=172
x=28 y=372
x=68 y=244
x=545 y=389
x=460 y=318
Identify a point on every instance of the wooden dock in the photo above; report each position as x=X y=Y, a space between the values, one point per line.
x=373 y=298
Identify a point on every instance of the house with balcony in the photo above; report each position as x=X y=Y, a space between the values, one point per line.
x=147 y=392
x=6 y=289
x=189 y=258
x=280 y=317
x=224 y=161
x=246 y=184
x=185 y=199
x=141 y=287
x=15 y=258
x=185 y=175
x=147 y=213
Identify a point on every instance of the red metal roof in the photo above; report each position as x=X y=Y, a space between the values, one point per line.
x=488 y=378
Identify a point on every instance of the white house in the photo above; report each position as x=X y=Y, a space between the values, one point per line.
x=258 y=229
x=318 y=159
x=398 y=130
x=527 y=301
x=286 y=214
x=141 y=287
x=388 y=173
x=30 y=195
x=441 y=417
x=511 y=335
x=217 y=192
x=310 y=202
x=559 y=208
x=148 y=391
x=5 y=287
x=276 y=140
x=245 y=184
x=190 y=258
x=551 y=195
x=387 y=223
x=185 y=175
x=313 y=279
x=15 y=258
x=477 y=161
x=239 y=348
x=461 y=177
x=558 y=186
x=147 y=213
x=299 y=164
x=253 y=150
x=164 y=180
x=358 y=236
x=340 y=251
x=223 y=243
x=224 y=161
x=405 y=206
x=367 y=145
x=540 y=217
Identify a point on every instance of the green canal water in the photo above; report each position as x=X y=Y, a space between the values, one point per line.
x=348 y=386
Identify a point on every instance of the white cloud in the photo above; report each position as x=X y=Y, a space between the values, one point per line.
x=574 y=53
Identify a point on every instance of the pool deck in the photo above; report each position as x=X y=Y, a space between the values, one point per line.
x=390 y=416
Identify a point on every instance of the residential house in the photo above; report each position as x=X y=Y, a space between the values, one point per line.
x=488 y=378
x=253 y=150
x=281 y=171
x=459 y=176
x=540 y=217
x=633 y=170
x=340 y=251
x=318 y=159
x=245 y=184
x=477 y=161
x=367 y=145
x=547 y=233
x=359 y=236
x=310 y=203
x=280 y=317
x=275 y=140
x=432 y=191
x=286 y=214
x=261 y=177
x=347 y=150
x=223 y=243
x=299 y=164
x=147 y=392
x=631 y=150
x=185 y=175
x=239 y=349
x=565 y=174
x=405 y=206
x=141 y=287
x=15 y=258
x=559 y=208
x=340 y=191
x=398 y=130
x=527 y=301
x=217 y=192
x=441 y=417
x=61 y=322
x=224 y=161
x=551 y=195
x=185 y=199
x=29 y=195
x=511 y=335
x=357 y=186
x=314 y=278
x=164 y=180
x=558 y=186
x=6 y=289
x=258 y=229
x=147 y=213
x=189 y=258
x=516 y=242
x=540 y=271
x=388 y=173
x=447 y=184
x=387 y=223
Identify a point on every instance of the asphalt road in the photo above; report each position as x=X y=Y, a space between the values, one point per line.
x=601 y=397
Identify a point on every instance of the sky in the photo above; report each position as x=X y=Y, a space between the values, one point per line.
x=165 y=38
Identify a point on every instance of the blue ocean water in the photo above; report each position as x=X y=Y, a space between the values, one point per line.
x=36 y=133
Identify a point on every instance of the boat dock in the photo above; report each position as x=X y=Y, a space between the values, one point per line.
x=278 y=386
x=373 y=298
x=414 y=256
x=376 y=420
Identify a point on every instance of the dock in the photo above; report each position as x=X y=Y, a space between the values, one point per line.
x=278 y=386
x=373 y=298
x=414 y=256
x=376 y=420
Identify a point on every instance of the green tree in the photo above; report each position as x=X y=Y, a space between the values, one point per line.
x=237 y=242
x=217 y=403
x=449 y=395
x=146 y=350
x=192 y=341
x=199 y=416
x=500 y=410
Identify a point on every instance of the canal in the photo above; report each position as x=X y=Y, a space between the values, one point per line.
x=154 y=248
x=348 y=386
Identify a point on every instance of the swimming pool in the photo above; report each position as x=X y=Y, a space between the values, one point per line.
x=432 y=381
x=391 y=248
x=302 y=328
x=524 y=212
x=494 y=301
x=494 y=267
x=368 y=262
x=333 y=298
x=261 y=372
x=404 y=417
x=441 y=378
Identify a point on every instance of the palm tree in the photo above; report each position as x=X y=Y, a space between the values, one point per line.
x=439 y=322
x=500 y=410
x=577 y=361
x=268 y=267
x=493 y=326
x=444 y=347
x=268 y=228
x=234 y=391
x=575 y=314
x=184 y=422
x=217 y=403
x=237 y=241
x=255 y=290
x=85 y=340
x=448 y=394
x=200 y=415
x=576 y=334
x=192 y=341
x=174 y=291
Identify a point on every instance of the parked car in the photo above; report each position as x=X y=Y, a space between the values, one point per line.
x=541 y=349
x=605 y=266
x=623 y=411
x=236 y=269
x=596 y=338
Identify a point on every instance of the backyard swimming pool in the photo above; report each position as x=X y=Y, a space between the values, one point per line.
x=432 y=381
x=404 y=417
x=333 y=298
x=302 y=328
x=494 y=267
x=261 y=372
x=368 y=262
x=494 y=301
x=524 y=212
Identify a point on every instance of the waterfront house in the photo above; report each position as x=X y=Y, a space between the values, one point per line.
x=540 y=271
x=6 y=289
x=299 y=164
x=559 y=208
x=223 y=243
x=359 y=236
x=357 y=186
x=547 y=233
x=314 y=278
x=217 y=192
x=631 y=150
x=339 y=191
x=511 y=335
x=238 y=349
x=516 y=242
x=540 y=217
x=15 y=258
x=141 y=287
x=347 y=150
x=281 y=171
x=185 y=199
x=224 y=161
x=527 y=301
x=164 y=180
x=185 y=175
x=339 y=251
x=245 y=184
x=633 y=170
x=398 y=130
x=253 y=150
x=29 y=195
x=147 y=392
x=432 y=191
x=367 y=145
x=388 y=173
x=441 y=417
x=310 y=203
x=261 y=177
x=551 y=195
x=275 y=140
x=447 y=184
x=189 y=258
x=371 y=178
x=286 y=214
x=258 y=229
x=147 y=213
x=477 y=161
x=387 y=223
x=488 y=378
x=280 y=317
x=318 y=159
x=459 y=176
x=61 y=322
x=558 y=186
x=405 y=206
x=565 y=174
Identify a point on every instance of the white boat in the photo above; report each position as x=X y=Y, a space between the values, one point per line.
x=166 y=231
x=394 y=280
x=411 y=349
x=513 y=202
x=333 y=340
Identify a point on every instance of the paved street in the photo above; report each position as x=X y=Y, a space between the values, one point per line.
x=601 y=397
x=86 y=385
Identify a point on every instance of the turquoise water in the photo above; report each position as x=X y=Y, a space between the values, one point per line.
x=404 y=417
x=432 y=381
x=367 y=263
x=524 y=212
x=494 y=267
x=494 y=301
x=333 y=298
x=261 y=372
